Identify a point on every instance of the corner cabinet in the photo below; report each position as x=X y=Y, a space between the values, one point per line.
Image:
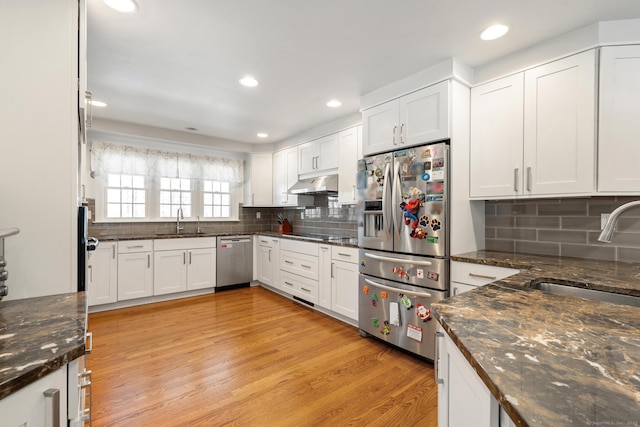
x=348 y=142
x=135 y=269
x=533 y=133
x=416 y=118
x=619 y=133
x=102 y=269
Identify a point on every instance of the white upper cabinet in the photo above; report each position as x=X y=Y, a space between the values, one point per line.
x=559 y=126
x=319 y=155
x=285 y=174
x=619 y=139
x=416 y=118
x=348 y=141
x=497 y=114
x=259 y=183
x=533 y=133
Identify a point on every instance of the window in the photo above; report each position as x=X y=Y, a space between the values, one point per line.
x=126 y=196
x=175 y=193
x=217 y=199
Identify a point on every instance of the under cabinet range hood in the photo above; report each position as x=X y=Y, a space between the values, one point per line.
x=321 y=184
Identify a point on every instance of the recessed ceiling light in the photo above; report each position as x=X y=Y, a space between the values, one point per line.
x=494 y=32
x=248 y=81
x=262 y=135
x=126 y=6
x=334 y=103
x=96 y=103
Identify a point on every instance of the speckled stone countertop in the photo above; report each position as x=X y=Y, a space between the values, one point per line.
x=38 y=336
x=552 y=360
x=333 y=240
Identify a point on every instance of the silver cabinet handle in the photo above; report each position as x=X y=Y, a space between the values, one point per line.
x=253 y=198
x=391 y=259
x=52 y=396
x=515 y=180
x=288 y=262
x=148 y=261
x=88 y=96
x=88 y=335
x=135 y=247
x=287 y=283
x=354 y=192
x=269 y=255
x=529 y=178
x=305 y=266
x=394 y=135
x=332 y=265
x=189 y=257
x=264 y=241
x=90 y=268
x=402 y=133
x=184 y=258
x=399 y=290
x=305 y=289
x=347 y=255
x=87 y=387
x=482 y=276
x=436 y=358
x=455 y=291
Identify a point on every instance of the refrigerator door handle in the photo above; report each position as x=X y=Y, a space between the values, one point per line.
x=386 y=207
x=392 y=259
x=397 y=191
x=402 y=291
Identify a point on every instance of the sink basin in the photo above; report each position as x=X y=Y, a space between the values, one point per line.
x=590 y=294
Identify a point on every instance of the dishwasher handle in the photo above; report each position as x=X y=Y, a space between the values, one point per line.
x=227 y=241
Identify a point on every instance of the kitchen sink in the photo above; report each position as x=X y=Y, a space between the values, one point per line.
x=590 y=294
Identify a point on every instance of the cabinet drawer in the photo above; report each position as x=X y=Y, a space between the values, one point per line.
x=299 y=286
x=478 y=274
x=341 y=253
x=298 y=246
x=460 y=288
x=183 y=244
x=300 y=264
x=130 y=246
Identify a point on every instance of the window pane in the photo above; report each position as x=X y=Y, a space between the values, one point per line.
x=186 y=198
x=165 y=183
x=138 y=181
x=165 y=197
x=175 y=183
x=207 y=186
x=113 y=210
x=127 y=196
x=216 y=199
x=175 y=197
x=225 y=211
x=138 y=196
x=113 y=196
x=187 y=211
x=126 y=181
x=224 y=187
x=226 y=200
x=138 y=211
x=165 y=211
x=127 y=211
x=185 y=184
x=114 y=181
x=216 y=211
x=208 y=211
x=215 y=186
x=208 y=199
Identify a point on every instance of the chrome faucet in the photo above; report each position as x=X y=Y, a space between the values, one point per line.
x=178 y=217
x=198 y=231
x=607 y=230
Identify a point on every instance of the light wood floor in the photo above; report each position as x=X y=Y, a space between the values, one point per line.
x=249 y=357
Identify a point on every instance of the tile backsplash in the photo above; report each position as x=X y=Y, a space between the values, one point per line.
x=566 y=227
x=327 y=218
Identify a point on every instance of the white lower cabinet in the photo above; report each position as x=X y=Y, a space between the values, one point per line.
x=344 y=281
x=299 y=269
x=135 y=269
x=269 y=261
x=184 y=264
x=325 y=276
x=466 y=276
x=34 y=404
x=102 y=272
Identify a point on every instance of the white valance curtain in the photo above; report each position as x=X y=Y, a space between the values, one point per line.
x=124 y=159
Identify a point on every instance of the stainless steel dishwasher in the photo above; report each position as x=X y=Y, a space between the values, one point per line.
x=234 y=261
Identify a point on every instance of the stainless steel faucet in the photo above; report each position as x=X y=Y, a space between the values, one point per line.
x=607 y=231
x=179 y=215
x=198 y=231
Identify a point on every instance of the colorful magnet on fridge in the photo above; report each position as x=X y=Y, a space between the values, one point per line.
x=365 y=290
x=374 y=322
x=383 y=294
x=406 y=301
x=425 y=176
x=374 y=300
x=423 y=312
x=385 y=329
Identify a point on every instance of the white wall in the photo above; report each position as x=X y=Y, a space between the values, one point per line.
x=38 y=136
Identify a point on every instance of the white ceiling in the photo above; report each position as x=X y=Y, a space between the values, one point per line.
x=176 y=64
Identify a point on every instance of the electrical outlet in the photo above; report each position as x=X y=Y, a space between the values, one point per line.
x=603 y=220
x=257 y=215
x=301 y=215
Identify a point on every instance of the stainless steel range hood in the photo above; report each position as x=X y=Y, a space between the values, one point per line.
x=327 y=184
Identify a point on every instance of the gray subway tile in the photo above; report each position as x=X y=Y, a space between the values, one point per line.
x=618 y=239
x=628 y=254
x=588 y=251
x=575 y=208
x=489 y=232
x=490 y=208
x=537 y=222
x=517 y=209
x=499 y=221
x=516 y=233
x=626 y=223
x=580 y=223
x=541 y=248
x=562 y=236
x=500 y=245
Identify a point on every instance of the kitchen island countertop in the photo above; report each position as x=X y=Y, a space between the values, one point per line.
x=38 y=336
x=552 y=359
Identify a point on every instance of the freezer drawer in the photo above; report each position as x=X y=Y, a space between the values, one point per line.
x=398 y=314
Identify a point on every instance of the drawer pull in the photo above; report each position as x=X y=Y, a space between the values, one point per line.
x=287 y=283
x=288 y=262
x=135 y=247
x=305 y=266
x=482 y=276
x=305 y=289
x=347 y=255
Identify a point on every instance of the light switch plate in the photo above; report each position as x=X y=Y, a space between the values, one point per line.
x=257 y=215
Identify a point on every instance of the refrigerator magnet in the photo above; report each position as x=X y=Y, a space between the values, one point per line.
x=414 y=332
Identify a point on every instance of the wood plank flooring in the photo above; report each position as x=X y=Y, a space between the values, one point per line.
x=249 y=357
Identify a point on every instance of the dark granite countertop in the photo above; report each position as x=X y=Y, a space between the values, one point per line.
x=38 y=336
x=332 y=240
x=552 y=360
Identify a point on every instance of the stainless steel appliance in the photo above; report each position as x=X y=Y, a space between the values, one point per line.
x=404 y=255
x=85 y=244
x=4 y=274
x=234 y=261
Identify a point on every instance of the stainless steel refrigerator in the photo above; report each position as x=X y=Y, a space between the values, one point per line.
x=404 y=244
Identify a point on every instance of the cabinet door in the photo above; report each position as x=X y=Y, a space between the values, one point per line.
x=463 y=399
x=424 y=115
x=103 y=274
x=201 y=268
x=279 y=178
x=327 y=152
x=497 y=115
x=348 y=141
x=380 y=128
x=259 y=191
x=170 y=272
x=265 y=264
x=344 y=289
x=30 y=407
x=308 y=154
x=559 y=126
x=135 y=275
x=619 y=141
x=324 y=276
